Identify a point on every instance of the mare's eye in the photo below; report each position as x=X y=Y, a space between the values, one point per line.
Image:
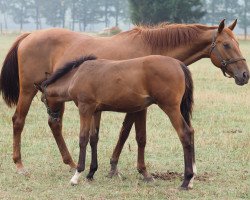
x=226 y=46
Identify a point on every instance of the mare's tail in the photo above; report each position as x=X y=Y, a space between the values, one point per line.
x=9 y=78
x=187 y=99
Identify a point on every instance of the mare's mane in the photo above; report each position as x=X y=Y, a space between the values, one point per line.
x=66 y=68
x=169 y=36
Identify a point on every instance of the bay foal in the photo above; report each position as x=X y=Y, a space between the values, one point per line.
x=124 y=86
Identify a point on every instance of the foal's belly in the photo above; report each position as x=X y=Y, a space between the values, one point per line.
x=126 y=105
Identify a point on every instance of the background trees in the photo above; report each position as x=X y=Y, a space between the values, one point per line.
x=82 y=14
x=179 y=11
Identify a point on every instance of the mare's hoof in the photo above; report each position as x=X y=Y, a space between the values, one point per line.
x=23 y=171
x=113 y=173
x=148 y=179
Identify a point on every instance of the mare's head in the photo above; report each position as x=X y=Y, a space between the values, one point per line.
x=226 y=55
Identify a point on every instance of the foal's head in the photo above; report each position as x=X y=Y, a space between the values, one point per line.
x=225 y=54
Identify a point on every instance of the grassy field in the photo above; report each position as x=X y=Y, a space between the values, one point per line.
x=221 y=121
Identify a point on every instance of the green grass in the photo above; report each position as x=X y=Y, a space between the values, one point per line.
x=221 y=121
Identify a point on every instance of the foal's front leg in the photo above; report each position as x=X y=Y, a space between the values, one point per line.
x=83 y=141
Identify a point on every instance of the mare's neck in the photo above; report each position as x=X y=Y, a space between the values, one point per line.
x=193 y=51
x=188 y=52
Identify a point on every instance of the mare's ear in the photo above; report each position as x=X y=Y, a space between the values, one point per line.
x=232 y=26
x=221 y=26
x=38 y=87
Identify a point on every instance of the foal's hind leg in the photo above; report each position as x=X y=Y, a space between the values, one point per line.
x=94 y=137
x=56 y=128
x=18 y=119
x=185 y=133
x=140 y=131
x=124 y=133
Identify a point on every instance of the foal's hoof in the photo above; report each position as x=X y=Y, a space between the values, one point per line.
x=188 y=187
x=90 y=177
x=23 y=171
x=73 y=182
x=184 y=188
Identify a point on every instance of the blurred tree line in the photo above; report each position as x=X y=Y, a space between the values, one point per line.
x=56 y=12
x=80 y=13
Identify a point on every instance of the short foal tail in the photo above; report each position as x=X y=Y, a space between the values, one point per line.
x=9 y=79
x=66 y=68
x=187 y=99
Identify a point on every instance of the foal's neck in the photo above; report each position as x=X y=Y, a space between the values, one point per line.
x=59 y=90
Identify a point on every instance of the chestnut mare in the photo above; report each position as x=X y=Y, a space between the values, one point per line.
x=139 y=82
x=35 y=54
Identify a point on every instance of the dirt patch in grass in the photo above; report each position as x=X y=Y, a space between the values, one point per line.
x=169 y=176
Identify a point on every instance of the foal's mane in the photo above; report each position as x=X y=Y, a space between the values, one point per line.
x=166 y=35
x=66 y=68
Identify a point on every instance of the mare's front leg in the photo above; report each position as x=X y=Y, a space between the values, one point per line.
x=94 y=137
x=185 y=134
x=56 y=128
x=124 y=133
x=140 y=132
x=86 y=114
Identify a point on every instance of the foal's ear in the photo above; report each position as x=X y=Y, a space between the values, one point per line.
x=232 y=26
x=38 y=87
x=221 y=26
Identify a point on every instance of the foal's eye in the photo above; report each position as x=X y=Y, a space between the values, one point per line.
x=227 y=46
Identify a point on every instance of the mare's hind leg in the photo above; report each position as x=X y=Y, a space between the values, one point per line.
x=124 y=133
x=56 y=128
x=94 y=137
x=140 y=131
x=185 y=133
x=18 y=119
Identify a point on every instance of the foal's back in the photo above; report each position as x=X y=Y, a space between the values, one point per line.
x=128 y=85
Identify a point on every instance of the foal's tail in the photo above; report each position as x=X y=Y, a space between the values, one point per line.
x=187 y=99
x=9 y=78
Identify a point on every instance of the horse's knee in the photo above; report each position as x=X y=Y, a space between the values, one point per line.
x=54 y=125
x=83 y=141
x=94 y=137
x=186 y=137
x=18 y=123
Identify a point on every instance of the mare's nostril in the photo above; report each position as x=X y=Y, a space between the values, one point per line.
x=245 y=75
